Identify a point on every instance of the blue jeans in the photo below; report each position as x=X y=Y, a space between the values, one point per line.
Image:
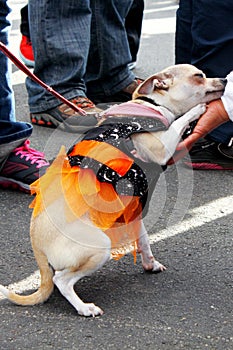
x=10 y=130
x=204 y=38
x=80 y=47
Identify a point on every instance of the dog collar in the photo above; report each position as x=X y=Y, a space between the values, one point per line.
x=134 y=109
x=147 y=99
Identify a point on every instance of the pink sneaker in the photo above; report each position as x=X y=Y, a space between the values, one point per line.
x=22 y=167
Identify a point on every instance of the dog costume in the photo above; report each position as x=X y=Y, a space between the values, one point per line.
x=102 y=176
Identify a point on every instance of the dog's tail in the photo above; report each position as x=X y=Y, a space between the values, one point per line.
x=44 y=291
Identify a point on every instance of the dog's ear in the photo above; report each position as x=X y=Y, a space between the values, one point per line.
x=161 y=81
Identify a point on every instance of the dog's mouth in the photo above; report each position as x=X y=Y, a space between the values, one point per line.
x=213 y=95
x=220 y=91
x=220 y=88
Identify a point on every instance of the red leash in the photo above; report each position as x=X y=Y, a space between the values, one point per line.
x=22 y=67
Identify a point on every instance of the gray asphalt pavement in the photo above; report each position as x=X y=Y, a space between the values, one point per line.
x=189 y=306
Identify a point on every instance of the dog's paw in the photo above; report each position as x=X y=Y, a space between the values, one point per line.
x=153 y=266
x=197 y=111
x=158 y=267
x=90 y=309
x=201 y=108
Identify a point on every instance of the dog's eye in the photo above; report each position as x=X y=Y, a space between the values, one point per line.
x=199 y=75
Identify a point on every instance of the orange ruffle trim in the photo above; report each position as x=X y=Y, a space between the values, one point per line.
x=118 y=216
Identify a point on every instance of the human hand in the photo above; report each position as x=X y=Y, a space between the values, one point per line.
x=214 y=116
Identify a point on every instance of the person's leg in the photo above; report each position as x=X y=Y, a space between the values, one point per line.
x=212 y=47
x=133 y=26
x=19 y=164
x=107 y=70
x=60 y=35
x=24 y=25
x=222 y=134
x=12 y=133
x=7 y=108
x=212 y=35
x=201 y=42
x=183 y=33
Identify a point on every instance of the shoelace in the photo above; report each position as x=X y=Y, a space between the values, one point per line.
x=83 y=103
x=80 y=103
x=31 y=154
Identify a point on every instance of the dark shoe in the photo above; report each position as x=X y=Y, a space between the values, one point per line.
x=22 y=167
x=121 y=96
x=66 y=118
x=26 y=51
x=210 y=155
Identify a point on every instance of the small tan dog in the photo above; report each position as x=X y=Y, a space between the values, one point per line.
x=90 y=203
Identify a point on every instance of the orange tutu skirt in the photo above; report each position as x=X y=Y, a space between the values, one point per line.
x=116 y=215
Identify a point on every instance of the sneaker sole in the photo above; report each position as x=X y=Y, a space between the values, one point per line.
x=44 y=120
x=47 y=120
x=12 y=184
x=26 y=61
x=207 y=166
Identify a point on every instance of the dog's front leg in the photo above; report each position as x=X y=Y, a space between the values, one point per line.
x=172 y=136
x=148 y=261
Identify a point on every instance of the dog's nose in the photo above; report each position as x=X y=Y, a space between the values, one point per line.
x=223 y=81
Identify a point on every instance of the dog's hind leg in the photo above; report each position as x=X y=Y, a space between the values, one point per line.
x=148 y=261
x=66 y=279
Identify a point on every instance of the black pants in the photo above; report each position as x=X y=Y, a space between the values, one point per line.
x=204 y=35
x=24 y=25
x=204 y=38
x=133 y=26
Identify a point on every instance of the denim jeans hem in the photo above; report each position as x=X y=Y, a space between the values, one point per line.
x=7 y=148
x=222 y=134
x=54 y=102
x=107 y=88
x=14 y=131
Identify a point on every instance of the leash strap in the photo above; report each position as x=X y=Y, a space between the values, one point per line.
x=23 y=68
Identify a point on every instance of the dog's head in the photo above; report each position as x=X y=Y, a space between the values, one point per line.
x=180 y=87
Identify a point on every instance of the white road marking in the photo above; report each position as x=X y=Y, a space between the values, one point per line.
x=200 y=216
x=211 y=211
x=30 y=282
